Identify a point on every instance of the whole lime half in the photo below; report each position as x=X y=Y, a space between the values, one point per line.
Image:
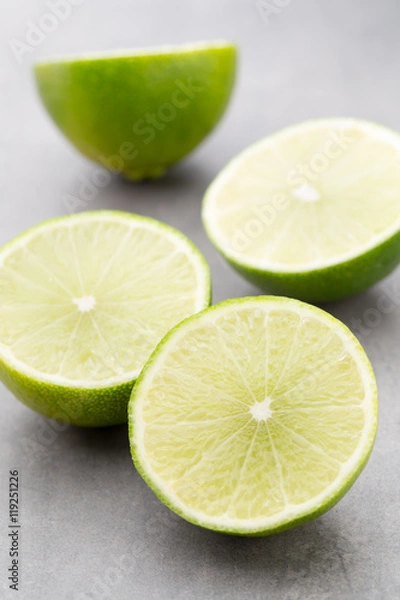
x=312 y=211
x=84 y=300
x=139 y=112
x=254 y=415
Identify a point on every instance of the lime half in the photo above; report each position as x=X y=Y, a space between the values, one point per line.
x=84 y=300
x=139 y=111
x=254 y=416
x=313 y=211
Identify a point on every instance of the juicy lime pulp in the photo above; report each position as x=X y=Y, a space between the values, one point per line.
x=254 y=415
x=312 y=211
x=140 y=111
x=83 y=302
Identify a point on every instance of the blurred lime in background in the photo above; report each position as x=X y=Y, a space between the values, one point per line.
x=139 y=112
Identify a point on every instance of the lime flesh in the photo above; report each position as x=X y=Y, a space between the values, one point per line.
x=312 y=211
x=83 y=302
x=254 y=415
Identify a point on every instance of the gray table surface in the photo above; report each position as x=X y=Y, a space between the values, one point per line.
x=91 y=529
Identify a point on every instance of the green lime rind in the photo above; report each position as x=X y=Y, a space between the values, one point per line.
x=329 y=284
x=91 y=407
x=280 y=524
x=139 y=113
x=86 y=406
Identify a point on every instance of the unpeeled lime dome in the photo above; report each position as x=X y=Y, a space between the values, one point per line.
x=139 y=112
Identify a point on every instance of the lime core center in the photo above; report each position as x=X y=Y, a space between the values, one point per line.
x=260 y=411
x=85 y=304
x=306 y=192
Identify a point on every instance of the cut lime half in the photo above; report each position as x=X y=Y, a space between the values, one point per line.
x=254 y=415
x=84 y=300
x=139 y=111
x=312 y=211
